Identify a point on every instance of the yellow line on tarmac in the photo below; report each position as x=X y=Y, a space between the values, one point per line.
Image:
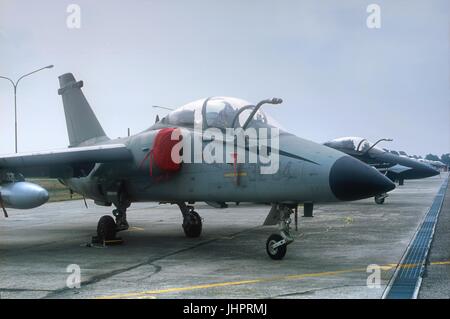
x=150 y=293
x=440 y=262
x=231 y=283
x=178 y=289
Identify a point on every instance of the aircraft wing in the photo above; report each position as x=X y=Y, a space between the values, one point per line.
x=64 y=163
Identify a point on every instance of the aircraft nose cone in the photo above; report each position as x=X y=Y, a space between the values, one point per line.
x=351 y=179
x=43 y=196
x=428 y=171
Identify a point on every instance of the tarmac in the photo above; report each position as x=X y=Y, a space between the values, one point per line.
x=330 y=257
x=436 y=282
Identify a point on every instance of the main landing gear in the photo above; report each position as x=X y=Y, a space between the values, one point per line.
x=276 y=245
x=192 y=222
x=379 y=199
x=107 y=227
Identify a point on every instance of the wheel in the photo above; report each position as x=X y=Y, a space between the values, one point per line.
x=106 y=228
x=192 y=224
x=401 y=182
x=379 y=200
x=275 y=253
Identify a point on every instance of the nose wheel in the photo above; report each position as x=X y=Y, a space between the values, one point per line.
x=379 y=199
x=276 y=245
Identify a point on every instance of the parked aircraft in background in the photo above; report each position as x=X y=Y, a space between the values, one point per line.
x=438 y=165
x=395 y=165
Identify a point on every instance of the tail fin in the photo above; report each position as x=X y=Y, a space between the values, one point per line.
x=82 y=124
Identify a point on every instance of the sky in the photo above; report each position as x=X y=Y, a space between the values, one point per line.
x=337 y=77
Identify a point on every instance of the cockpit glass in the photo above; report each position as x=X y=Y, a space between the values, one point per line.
x=184 y=116
x=357 y=144
x=218 y=112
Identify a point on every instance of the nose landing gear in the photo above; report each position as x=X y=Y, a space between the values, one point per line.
x=379 y=199
x=276 y=245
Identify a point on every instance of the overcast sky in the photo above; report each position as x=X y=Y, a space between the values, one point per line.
x=336 y=76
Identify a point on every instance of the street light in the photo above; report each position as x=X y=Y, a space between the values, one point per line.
x=15 y=97
x=163 y=107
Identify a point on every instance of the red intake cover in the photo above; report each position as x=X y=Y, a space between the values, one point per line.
x=162 y=149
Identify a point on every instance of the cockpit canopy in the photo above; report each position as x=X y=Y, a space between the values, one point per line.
x=355 y=144
x=216 y=112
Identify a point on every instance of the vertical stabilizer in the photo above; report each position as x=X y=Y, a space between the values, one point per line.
x=82 y=124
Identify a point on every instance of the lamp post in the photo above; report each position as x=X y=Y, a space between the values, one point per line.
x=15 y=84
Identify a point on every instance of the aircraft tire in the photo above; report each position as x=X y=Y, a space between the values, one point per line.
x=379 y=201
x=275 y=253
x=106 y=228
x=192 y=225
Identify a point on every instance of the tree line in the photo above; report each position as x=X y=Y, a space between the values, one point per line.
x=445 y=158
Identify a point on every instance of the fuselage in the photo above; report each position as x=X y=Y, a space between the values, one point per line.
x=303 y=175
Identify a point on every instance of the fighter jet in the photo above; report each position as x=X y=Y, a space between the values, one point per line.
x=216 y=150
x=438 y=165
x=397 y=166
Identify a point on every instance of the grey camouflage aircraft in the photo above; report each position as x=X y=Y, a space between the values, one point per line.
x=396 y=166
x=142 y=167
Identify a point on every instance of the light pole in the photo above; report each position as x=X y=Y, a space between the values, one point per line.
x=14 y=84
